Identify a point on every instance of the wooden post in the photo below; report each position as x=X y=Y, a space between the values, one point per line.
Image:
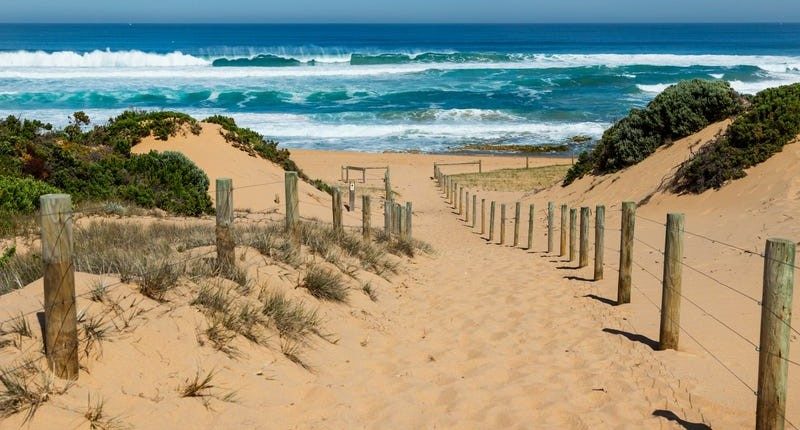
x=466 y=208
x=531 y=215
x=502 y=223
x=60 y=315
x=396 y=221
x=347 y=174
x=342 y=172
x=483 y=217
x=583 y=254
x=351 y=201
x=551 y=210
x=364 y=176
x=776 y=320
x=226 y=255
x=573 y=233
x=387 y=217
x=402 y=227
x=491 y=222
x=670 y=329
x=366 y=213
x=336 y=203
x=460 y=200
x=387 y=179
x=480 y=166
x=474 y=209
x=564 y=215
x=599 y=240
x=409 y=214
x=292 y=202
x=626 y=252
x=517 y=216
x=527 y=163
x=434 y=169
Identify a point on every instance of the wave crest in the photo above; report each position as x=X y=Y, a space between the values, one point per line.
x=97 y=58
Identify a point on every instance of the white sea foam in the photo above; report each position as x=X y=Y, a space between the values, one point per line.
x=717 y=75
x=655 y=88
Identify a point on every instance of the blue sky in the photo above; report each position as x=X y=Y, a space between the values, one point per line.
x=292 y=11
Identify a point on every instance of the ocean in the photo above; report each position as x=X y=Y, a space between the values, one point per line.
x=383 y=87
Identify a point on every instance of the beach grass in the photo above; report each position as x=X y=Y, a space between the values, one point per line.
x=532 y=179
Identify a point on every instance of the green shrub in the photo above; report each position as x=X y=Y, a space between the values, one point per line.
x=21 y=195
x=770 y=122
x=679 y=111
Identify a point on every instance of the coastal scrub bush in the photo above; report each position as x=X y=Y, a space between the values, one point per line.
x=677 y=112
x=21 y=195
x=770 y=122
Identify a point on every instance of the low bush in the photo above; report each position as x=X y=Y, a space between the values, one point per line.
x=770 y=122
x=679 y=111
x=21 y=195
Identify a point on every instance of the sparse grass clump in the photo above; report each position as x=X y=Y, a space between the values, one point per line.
x=199 y=386
x=158 y=277
x=369 y=290
x=533 y=179
x=325 y=284
x=98 y=419
x=291 y=319
x=25 y=388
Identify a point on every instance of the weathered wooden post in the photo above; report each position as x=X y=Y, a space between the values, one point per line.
x=480 y=166
x=491 y=222
x=401 y=221
x=336 y=206
x=292 y=202
x=409 y=214
x=599 y=240
x=434 y=170
x=527 y=164
x=564 y=215
x=387 y=217
x=460 y=200
x=583 y=254
x=60 y=315
x=517 y=215
x=366 y=217
x=670 y=329
x=226 y=255
x=626 y=252
x=352 y=198
x=474 y=209
x=387 y=179
x=776 y=320
x=483 y=217
x=551 y=210
x=466 y=208
x=573 y=233
x=502 y=223
x=398 y=214
x=531 y=215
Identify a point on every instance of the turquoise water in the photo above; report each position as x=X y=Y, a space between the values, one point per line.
x=383 y=87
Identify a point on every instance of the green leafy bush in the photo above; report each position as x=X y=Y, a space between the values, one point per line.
x=21 y=195
x=679 y=111
x=770 y=122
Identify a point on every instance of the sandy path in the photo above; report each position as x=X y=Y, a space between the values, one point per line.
x=486 y=336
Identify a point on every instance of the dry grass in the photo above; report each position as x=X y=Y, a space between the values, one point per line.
x=95 y=331
x=24 y=389
x=533 y=179
x=19 y=327
x=370 y=291
x=201 y=386
x=325 y=284
x=292 y=320
x=98 y=419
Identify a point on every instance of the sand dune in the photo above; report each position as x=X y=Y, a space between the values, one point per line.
x=477 y=335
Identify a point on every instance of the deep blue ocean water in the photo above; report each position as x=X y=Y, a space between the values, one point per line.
x=380 y=87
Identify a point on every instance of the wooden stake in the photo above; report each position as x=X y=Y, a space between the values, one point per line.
x=564 y=216
x=502 y=223
x=387 y=179
x=60 y=316
x=599 y=240
x=531 y=215
x=626 y=252
x=474 y=209
x=460 y=200
x=466 y=209
x=409 y=214
x=226 y=255
x=387 y=216
x=776 y=320
x=292 y=202
x=336 y=203
x=366 y=214
x=583 y=255
x=573 y=233
x=483 y=217
x=491 y=222
x=551 y=211
x=517 y=215
x=351 y=201
x=401 y=221
x=670 y=329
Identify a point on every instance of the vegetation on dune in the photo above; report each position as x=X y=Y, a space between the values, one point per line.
x=770 y=122
x=679 y=111
x=535 y=178
x=22 y=194
x=526 y=149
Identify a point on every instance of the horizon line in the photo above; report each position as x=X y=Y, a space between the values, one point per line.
x=398 y=23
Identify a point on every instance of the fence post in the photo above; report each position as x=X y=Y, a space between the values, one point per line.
x=292 y=203
x=776 y=319
x=599 y=240
x=474 y=209
x=387 y=179
x=530 y=227
x=491 y=222
x=626 y=252
x=366 y=221
x=551 y=210
x=527 y=164
x=409 y=214
x=351 y=201
x=336 y=202
x=517 y=215
x=573 y=233
x=669 y=331
x=60 y=315
x=434 y=170
x=483 y=217
x=502 y=223
x=225 y=247
x=480 y=166
x=564 y=215
x=460 y=200
x=583 y=255
x=402 y=227
x=387 y=217
x=466 y=209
